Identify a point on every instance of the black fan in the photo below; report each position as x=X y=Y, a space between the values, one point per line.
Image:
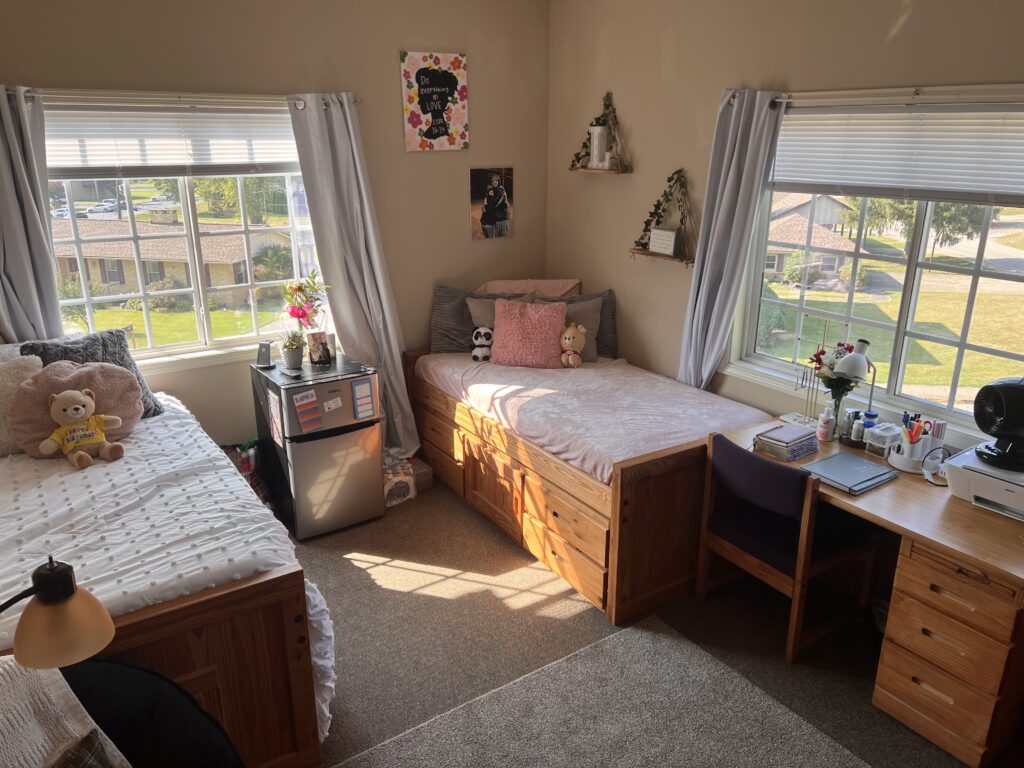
x=999 y=411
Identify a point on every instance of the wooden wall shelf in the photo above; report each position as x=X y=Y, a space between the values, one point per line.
x=615 y=171
x=653 y=255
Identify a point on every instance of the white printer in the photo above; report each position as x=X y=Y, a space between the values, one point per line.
x=988 y=486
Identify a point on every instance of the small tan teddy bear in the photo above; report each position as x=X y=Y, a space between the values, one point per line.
x=80 y=435
x=574 y=337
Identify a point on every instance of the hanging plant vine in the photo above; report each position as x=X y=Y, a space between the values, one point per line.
x=675 y=194
x=609 y=118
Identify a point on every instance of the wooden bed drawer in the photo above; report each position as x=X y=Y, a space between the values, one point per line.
x=954 y=647
x=443 y=434
x=552 y=550
x=580 y=527
x=493 y=486
x=446 y=469
x=964 y=593
x=935 y=694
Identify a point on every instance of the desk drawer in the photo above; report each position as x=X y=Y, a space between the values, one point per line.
x=552 y=550
x=935 y=694
x=963 y=593
x=446 y=469
x=441 y=433
x=581 y=528
x=953 y=647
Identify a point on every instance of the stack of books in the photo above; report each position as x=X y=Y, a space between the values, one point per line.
x=787 y=443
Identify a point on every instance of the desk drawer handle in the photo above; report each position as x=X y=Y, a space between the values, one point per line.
x=943 y=640
x=975 y=575
x=941 y=592
x=932 y=690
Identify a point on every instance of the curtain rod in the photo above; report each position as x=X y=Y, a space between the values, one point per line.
x=87 y=98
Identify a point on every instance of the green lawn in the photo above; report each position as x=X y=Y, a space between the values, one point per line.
x=172 y=328
x=1016 y=240
x=938 y=313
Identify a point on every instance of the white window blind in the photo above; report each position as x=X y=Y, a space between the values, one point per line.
x=159 y=141
x=936 y=153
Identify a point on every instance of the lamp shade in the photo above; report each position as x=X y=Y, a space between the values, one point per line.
x=59 y=634
x=855 y=364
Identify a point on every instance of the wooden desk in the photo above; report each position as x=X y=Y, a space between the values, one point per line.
x=952 y=664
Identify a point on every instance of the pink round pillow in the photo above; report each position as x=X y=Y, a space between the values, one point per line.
x=117 y=394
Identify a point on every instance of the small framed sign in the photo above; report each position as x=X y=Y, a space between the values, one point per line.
x=664 y=240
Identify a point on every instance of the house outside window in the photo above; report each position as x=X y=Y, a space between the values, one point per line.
x=147 y=231
x=933 y=277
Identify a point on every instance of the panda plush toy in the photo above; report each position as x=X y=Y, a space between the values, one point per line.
x=482 y=340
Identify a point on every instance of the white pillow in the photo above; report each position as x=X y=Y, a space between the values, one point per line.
x=12 y=374
x=9 y=352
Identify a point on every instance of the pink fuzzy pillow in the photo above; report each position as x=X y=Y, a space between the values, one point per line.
x=528 y=334
x=117 y=394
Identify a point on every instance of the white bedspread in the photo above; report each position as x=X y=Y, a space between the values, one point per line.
x=171 y=518
x=592 y=416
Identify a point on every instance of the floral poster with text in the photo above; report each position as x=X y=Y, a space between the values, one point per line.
x=435 y=101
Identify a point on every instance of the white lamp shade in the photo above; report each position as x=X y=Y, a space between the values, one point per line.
x=59 y=634
x=854 y=365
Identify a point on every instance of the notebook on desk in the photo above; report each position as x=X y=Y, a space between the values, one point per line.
x=850 y=473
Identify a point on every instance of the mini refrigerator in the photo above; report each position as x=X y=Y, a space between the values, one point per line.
x=320 y=444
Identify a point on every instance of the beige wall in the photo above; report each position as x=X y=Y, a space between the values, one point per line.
x=667 y=63
x=269 y=46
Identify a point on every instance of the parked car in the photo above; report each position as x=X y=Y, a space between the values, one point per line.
x=102 y=208
x=159 y=198
x=60 y=213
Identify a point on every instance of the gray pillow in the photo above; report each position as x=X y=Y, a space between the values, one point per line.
x=451 y=325
x=607 y=335
x=101 y=347
x=482 y=310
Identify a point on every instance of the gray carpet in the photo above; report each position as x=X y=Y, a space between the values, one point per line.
x=643 y=697
x=432 y=607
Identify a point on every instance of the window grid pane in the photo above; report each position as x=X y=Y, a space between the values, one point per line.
x=126 y=259
x=968 y=278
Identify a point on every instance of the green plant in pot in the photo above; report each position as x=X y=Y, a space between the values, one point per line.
x=293 y=343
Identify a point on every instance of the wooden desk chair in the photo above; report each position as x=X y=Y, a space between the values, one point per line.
x=763 y=517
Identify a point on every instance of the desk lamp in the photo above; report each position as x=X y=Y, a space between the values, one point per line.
x=855 y=366
x=62 y=624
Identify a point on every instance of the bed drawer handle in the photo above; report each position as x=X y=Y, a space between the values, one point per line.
x=943 y=640
x=554 y=513
x=558 y=557
x=932 y=690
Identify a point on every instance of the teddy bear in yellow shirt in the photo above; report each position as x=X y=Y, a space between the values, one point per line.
x=81 y=435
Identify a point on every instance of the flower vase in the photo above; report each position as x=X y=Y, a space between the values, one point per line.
x=837 y=403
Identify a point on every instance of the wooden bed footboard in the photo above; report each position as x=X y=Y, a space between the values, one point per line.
x=628 y=547
x=656 y=504
x=242 y=650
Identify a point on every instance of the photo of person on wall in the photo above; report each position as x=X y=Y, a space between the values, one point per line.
x=491 y=206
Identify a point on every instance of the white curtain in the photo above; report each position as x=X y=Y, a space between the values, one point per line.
x=745 y=135
x=349 y=250
x=29 y=307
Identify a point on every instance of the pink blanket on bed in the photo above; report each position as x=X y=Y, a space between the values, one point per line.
x=592 y=416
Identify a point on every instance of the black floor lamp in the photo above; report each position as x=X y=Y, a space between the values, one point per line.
x=62 y=624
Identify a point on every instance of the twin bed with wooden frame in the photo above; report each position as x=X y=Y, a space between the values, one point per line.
x=202 y=581
x=597 y=471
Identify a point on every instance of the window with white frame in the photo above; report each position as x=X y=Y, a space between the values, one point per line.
x=905 y=228
x=145 y=199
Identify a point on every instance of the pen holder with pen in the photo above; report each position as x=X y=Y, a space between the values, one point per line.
x=907 y=456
